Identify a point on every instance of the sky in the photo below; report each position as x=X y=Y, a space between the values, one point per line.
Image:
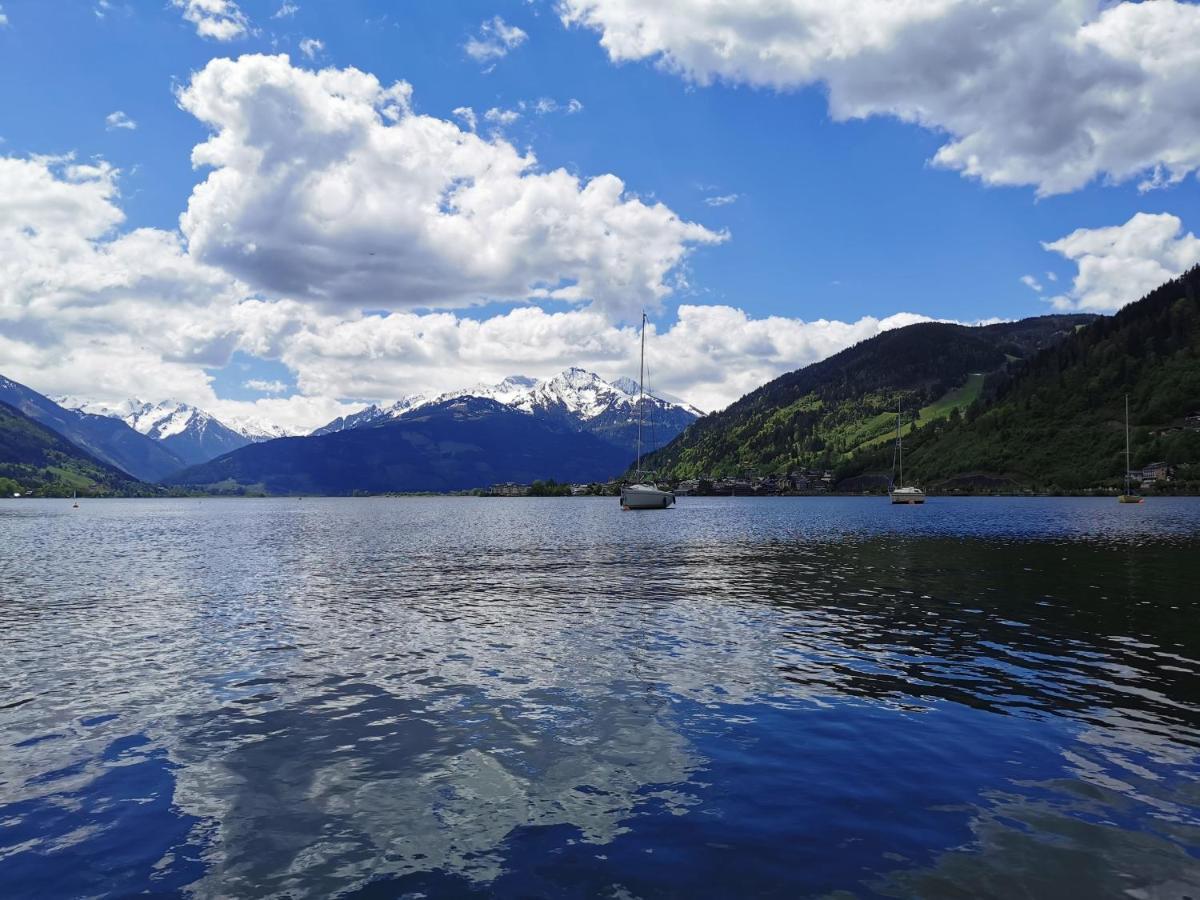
x=282 y=209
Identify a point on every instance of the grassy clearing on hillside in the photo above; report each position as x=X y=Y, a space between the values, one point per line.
x=883 y=427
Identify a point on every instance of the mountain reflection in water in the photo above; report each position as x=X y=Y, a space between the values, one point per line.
x=521 y=697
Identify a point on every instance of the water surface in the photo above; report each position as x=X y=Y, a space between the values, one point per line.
x=457 y=697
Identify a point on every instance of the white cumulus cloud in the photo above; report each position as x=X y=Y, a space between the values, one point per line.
x=221 y=20
x=119 y=119
x=1049 y=93
x=373 y=205
x=496 y=38
x=501 y=117
x=90 y=310
x=83 y=304
x=711 y=355
x=466 y=115
x=312 y=47
x=1122 y=263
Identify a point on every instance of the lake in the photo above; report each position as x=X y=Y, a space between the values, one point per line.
x=485 y=697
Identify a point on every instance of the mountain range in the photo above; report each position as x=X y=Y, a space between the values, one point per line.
x=455 y=444
x=104 y=438
x=574 y=426
x=575 y=399
x=193 y=435
x=1035 y=404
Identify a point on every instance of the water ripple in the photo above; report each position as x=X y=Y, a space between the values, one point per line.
x=515 y=698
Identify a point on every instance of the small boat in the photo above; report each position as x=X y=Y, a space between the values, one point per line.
x=643 y=494
x=902 y=494
x=1129 y=496
x=74 y=500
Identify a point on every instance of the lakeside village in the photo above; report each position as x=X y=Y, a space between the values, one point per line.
x=805 y=482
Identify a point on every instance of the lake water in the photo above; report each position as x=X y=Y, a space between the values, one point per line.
x=460 y=697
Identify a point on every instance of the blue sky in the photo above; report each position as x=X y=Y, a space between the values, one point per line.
x=825 y=219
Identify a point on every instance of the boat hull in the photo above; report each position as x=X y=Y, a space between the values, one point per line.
x=908 y=496
x=643 y=496
x=1129 y=498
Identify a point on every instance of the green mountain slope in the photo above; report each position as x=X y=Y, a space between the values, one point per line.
x=826 y=413
x=36 y=460
x=1057 y=421
x=107 y=439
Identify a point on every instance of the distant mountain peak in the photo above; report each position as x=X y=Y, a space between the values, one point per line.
x=627 y=384
x=192 y=433
x=575 y=397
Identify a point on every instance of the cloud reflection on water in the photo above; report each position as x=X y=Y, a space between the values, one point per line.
x=339 y=692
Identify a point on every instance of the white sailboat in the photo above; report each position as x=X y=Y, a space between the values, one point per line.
x=643 y=494
x=902 y=494
x=1129 y=496
x=74 y=500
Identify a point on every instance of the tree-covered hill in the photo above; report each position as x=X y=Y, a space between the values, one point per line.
x=107 y=439
x=1056 y=421
x=826 y=413
x=36 y=460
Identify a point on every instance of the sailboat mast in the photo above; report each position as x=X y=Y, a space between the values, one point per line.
x=641 y=392
x=1127 y=443
x=899 y=442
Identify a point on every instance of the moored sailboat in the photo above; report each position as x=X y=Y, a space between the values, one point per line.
x=1128 y=496
x=643 y=494
x=902 y=494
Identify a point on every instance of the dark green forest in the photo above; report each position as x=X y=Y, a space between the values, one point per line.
x=1056 y=421
x=829 y=412
x=1031 y=405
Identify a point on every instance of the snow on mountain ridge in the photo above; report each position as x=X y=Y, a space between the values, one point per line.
x=156 y=420
x=257 y=430
x=170 y=418
x=575 y=393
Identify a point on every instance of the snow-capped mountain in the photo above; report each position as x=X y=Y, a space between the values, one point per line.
x=109 y=440
x=258 y=430
x=372 y=415
x=508 y=392
x=630 y=386
x=576 y=398
x=190 y=433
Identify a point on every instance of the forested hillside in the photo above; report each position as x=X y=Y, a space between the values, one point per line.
x=826 y=413
x=1056 y=422
x=36 y=460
